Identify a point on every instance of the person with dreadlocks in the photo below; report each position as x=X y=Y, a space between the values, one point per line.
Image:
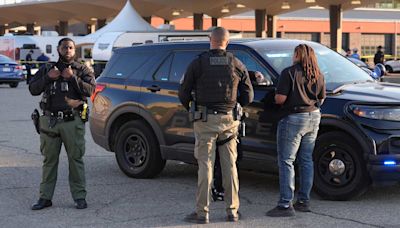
x=300 y=93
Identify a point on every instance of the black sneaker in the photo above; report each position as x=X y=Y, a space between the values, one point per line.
x=280 y=211
x=194 y=218
x=216 y=195
x=302 y=206
x=80 y=204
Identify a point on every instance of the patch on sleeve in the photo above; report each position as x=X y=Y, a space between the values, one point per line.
x=219 y=61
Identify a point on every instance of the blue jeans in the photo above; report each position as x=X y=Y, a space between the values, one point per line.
x=296 y=138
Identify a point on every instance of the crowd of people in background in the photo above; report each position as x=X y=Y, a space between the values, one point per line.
x=379 y=56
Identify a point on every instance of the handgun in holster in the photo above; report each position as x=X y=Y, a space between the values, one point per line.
x=204 y=114
x=194 y=114
x=35 y=118
x=241 y=115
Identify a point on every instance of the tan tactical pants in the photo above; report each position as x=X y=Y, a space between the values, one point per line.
x=218 y=127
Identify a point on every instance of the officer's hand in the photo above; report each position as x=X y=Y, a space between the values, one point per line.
x=73 y=103
x=54 y=73
x=67 y=73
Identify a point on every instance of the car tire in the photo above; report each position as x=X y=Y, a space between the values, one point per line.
x=339 y=168
x=137 y=150
x=14 y=85
x=389 y=68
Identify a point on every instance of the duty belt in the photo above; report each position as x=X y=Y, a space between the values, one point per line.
x=61 y=115
x=202 y=108
x=215 y=112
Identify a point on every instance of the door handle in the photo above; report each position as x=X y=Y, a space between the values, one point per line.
x=154 y=88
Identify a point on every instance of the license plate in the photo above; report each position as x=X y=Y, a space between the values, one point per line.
x=6 y=69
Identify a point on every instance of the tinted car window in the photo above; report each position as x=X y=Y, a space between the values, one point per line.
x=163 y=71
x=251 y=63
x=123 y=65
x=180 y=63
x=336 y=69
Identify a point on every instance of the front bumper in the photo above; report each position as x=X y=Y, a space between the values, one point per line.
x=384 y=168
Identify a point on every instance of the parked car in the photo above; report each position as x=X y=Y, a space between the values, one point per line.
x=392 y=66
x=10 y=72
x=137 y=114
x=359 y=63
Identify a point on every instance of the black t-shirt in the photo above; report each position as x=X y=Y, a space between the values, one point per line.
x=302 y=94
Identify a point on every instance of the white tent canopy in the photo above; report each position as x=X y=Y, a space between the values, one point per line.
x=128 y=20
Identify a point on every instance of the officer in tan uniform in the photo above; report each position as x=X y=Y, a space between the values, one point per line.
x=209 y=90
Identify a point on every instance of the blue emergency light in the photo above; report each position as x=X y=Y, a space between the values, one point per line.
x=389 y=163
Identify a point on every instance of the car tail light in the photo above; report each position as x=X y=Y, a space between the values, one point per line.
x=18 y=67
x=99 y=88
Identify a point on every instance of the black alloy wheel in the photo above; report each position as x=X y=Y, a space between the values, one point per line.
x=137 y=150
x=339 y=168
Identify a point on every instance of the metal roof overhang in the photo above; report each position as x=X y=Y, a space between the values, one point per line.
x=49 y=12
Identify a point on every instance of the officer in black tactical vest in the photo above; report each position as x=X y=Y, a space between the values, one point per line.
x=65 y=86
x=209 y=89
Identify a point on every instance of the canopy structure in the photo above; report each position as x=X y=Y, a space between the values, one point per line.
x=49 y=12
x=127 y=20
x=63 y=12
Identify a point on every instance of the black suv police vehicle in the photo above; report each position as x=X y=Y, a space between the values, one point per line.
x=137 y=114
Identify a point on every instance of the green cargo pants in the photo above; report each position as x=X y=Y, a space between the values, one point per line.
x=218 y=127
x=71 y=134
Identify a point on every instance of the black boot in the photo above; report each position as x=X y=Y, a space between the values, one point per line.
x=80 y=204
x=42 y=203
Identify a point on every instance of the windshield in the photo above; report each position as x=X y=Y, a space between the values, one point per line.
x=336 y=69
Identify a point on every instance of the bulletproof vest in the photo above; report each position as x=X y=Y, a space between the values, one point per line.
x=218 y=81
x=60 y=89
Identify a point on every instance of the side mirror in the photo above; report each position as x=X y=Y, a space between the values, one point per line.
x=258 y=79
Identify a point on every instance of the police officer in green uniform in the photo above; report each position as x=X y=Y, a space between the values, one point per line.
x=211 y=83
x=65 y=86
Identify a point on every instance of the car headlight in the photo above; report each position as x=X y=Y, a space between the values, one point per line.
x=377 y=112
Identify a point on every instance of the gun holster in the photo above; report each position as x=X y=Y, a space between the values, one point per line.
x=35 y=118
x=238 y=112
x=241 y=115
x=193 y=113
x=204 y=113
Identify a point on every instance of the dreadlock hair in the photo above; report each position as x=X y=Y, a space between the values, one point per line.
x=308 y=62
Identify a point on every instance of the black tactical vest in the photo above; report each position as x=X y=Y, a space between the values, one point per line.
x=218 y=80
x=57 y=94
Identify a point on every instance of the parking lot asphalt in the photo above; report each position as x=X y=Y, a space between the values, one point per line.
x=118 y=201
